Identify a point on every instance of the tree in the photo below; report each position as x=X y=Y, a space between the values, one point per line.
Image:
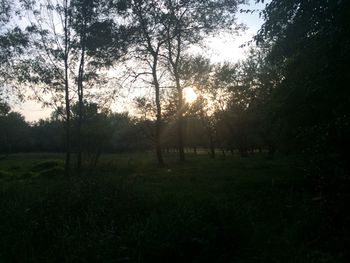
x=309 y=42
x=71 y=41
x=13 y=41
x=187 y=23
x=150 y=38
x=4 y=108
x=100 y=42
x=47 y=66
x=249 y=115
x=212 y=83
x=13 y=131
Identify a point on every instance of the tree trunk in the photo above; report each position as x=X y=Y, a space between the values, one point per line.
x=210 y=132
x=223 y=152
x=180 y=122
x=158 y=136
x=154 y=53
x=232 y=151
x=212 y=146
x=174 y=62
x=159 y=114
x=67 y=161
x=271 y=150
x=66 y=87
x=80 y=104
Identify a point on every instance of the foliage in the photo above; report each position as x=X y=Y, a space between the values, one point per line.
x=310 y=43
x=13 y=42
x=13 y=132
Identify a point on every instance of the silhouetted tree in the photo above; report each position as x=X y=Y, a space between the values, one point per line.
x=309 y=42
x=13 y=41
x=47 y=67
x=187 y=23
x=13 y=131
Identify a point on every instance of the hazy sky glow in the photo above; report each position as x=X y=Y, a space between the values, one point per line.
x=218 y=49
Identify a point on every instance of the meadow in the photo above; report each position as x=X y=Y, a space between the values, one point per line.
x=127 y=209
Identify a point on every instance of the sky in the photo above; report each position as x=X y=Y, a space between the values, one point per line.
x=218 y=48
x=227 y=47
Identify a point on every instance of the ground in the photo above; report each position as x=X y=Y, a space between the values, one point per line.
x=127 y=209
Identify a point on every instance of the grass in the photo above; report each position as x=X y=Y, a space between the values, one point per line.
x=129 y=210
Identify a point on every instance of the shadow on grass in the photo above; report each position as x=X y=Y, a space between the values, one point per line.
x=129 y=210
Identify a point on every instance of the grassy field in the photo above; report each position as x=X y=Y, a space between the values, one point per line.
x=127 y=209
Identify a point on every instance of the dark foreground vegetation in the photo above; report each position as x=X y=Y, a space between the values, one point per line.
x=231 y=209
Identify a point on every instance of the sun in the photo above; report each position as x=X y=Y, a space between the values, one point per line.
x=190 y=95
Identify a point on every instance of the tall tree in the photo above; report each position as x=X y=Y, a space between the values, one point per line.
x=147 y=16
x=101 y=40
x=83 y=17
x=309 y=41
x=71 y=40
x=47 y=65
x=66 y=48
x=187 y=23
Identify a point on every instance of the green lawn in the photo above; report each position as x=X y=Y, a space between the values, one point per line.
x=127 y=209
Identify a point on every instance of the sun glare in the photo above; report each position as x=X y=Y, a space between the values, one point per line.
x=190 y=95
